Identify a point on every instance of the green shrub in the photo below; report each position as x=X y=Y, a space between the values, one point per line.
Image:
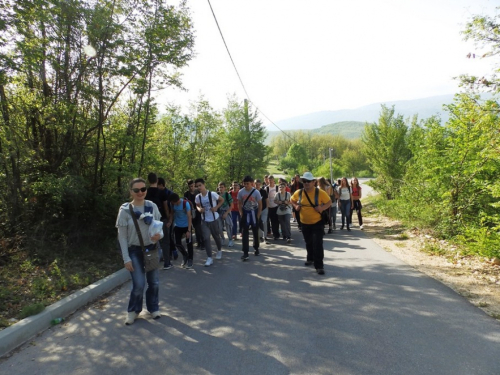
x=30 y=310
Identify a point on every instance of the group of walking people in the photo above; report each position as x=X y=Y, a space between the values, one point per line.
x=262 y=208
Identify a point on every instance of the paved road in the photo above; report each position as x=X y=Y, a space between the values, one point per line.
x=370 y=314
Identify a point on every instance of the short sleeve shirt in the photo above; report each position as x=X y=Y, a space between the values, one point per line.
x=208 y=216
x=308 y=215
x=180 y=214
x=253 y=202
x=272 y=194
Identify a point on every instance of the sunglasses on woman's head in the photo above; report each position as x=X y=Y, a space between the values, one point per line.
x=136 y=190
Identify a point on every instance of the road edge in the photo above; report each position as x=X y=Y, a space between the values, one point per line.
x=20 y=332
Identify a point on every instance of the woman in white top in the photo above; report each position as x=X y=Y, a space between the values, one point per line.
x=282 y=199
x=345 y=200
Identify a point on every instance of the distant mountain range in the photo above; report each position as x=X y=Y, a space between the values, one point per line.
x=424 y=108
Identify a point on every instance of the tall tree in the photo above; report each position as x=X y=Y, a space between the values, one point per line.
x=387 y=150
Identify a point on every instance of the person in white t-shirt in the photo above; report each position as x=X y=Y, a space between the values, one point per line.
x=272 y=190
x=207 y=204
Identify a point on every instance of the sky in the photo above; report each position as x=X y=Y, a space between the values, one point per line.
x=299 y=57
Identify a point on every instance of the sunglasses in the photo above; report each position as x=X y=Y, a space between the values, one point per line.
x=136 y=190
x=306 y=181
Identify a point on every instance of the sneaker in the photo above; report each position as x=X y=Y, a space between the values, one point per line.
x=244 y=257
x=230 y=243
x=175 y=254
x=266 y=240
x=256 y=252
x=155 y=315
x=219 y=255
x=209 y=262
x=361 y=227
x=294 y=220
x=261 y=239
x=189 y=263
x=168 y=266
x=320 y=271
x=289 y=240
x=184 y=261
x=300 y=229
x=308 y=263
x=330 y=231
x=131 y=317
x=348 y=229
x=223 y=242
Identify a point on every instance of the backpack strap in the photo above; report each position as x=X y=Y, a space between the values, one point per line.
x=300 y=196
x=201 y=204
x=246 y=200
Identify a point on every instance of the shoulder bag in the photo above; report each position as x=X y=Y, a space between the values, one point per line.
x=151 y=256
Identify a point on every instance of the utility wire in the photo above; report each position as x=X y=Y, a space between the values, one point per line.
x=238 y=74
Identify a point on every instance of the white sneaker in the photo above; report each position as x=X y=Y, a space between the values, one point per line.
x=209 y=262
x=219 y=255
x=156 y=315
x=131 y=317
x=231 y=243
x=361 y=227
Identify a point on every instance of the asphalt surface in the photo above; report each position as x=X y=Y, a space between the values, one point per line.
x=369 y=314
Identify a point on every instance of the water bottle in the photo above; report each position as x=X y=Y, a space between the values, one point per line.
x=56 y=321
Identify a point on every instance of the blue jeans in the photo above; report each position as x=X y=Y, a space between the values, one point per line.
x=235 y=215
x=139 y=278
x=345 y=209
x=333 y=213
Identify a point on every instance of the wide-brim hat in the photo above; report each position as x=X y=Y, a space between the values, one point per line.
x=308 y=176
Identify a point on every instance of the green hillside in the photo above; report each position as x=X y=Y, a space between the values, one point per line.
x=346 y=129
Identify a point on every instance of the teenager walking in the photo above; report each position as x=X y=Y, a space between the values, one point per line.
x=182 y=225
x=345 y=199
x=207 y=204
x=284 y=212
x=225 y=213
x=250 y=204
x=356 y=201
x=191 y=194
x=272 y=190
x=263 y=216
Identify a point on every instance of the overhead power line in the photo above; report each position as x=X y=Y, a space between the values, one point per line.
x=238 y=74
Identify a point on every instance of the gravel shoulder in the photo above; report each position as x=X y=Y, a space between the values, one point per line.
x=476 y=279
